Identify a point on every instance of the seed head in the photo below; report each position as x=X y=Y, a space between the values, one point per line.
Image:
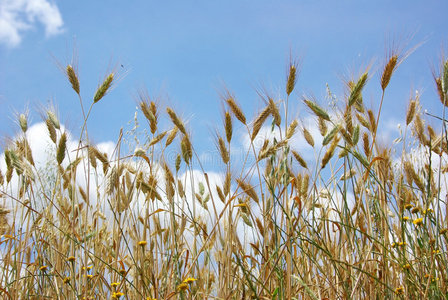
x=260 y=121
x=388 y=71
x=357 y=88
x=291 y=82
x=73 y=78
x=176 y=121
x=236 y=110
x=104 y=87
x=318 y=111
x=62 y=146
x=23 y=122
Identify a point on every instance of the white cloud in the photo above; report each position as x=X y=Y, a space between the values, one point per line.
x=17 y=16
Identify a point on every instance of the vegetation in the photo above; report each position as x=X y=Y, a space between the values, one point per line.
x=361 y=221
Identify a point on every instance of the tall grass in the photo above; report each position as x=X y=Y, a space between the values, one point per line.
x=362 y=220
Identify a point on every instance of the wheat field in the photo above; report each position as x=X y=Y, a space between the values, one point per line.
x=362 y=220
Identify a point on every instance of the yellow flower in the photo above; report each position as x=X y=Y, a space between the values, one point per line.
x=399 y=290
x=426 y=275
x=71 y=259
x=407 y=266
x=402 y=244
x=437 y=251
x=66 y=279
x=182 y=287
x=189 y=280
x=149 y=298
x=394 y=245
x=114 y=284
x=89 y=276
x=405 y=218
x=117 y=295
x=418 y=221
x=43 y=268
x=142 y=243
x=408 y=206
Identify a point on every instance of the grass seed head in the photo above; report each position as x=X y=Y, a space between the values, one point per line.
x=410 y=114
x=73 y=78
x=308 y=137
x=223 y=150
x=176 y=121
x=51 y=130
x=372 y=121
x=61 y=149
x=357 y=88
x=52 y=117
x=149 y=115
x=275 y=112
x=388 y=71
x=236 y=110
x=23 y=122
x=291 y=129
x=171 y=136
x=299 y=159
x=322 y=126
x=186 y=149
x=228 y=126
x=445 y=78
x=291 y=81
x=103 y=88
x=330 y=152
x=317 y=110
x=260 y=121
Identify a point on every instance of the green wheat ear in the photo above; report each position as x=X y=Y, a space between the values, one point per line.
x=102 y=90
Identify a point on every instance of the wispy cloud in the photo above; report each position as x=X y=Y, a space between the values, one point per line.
x=18 y=16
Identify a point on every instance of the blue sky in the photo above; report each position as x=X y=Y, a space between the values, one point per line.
x=186 y=52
